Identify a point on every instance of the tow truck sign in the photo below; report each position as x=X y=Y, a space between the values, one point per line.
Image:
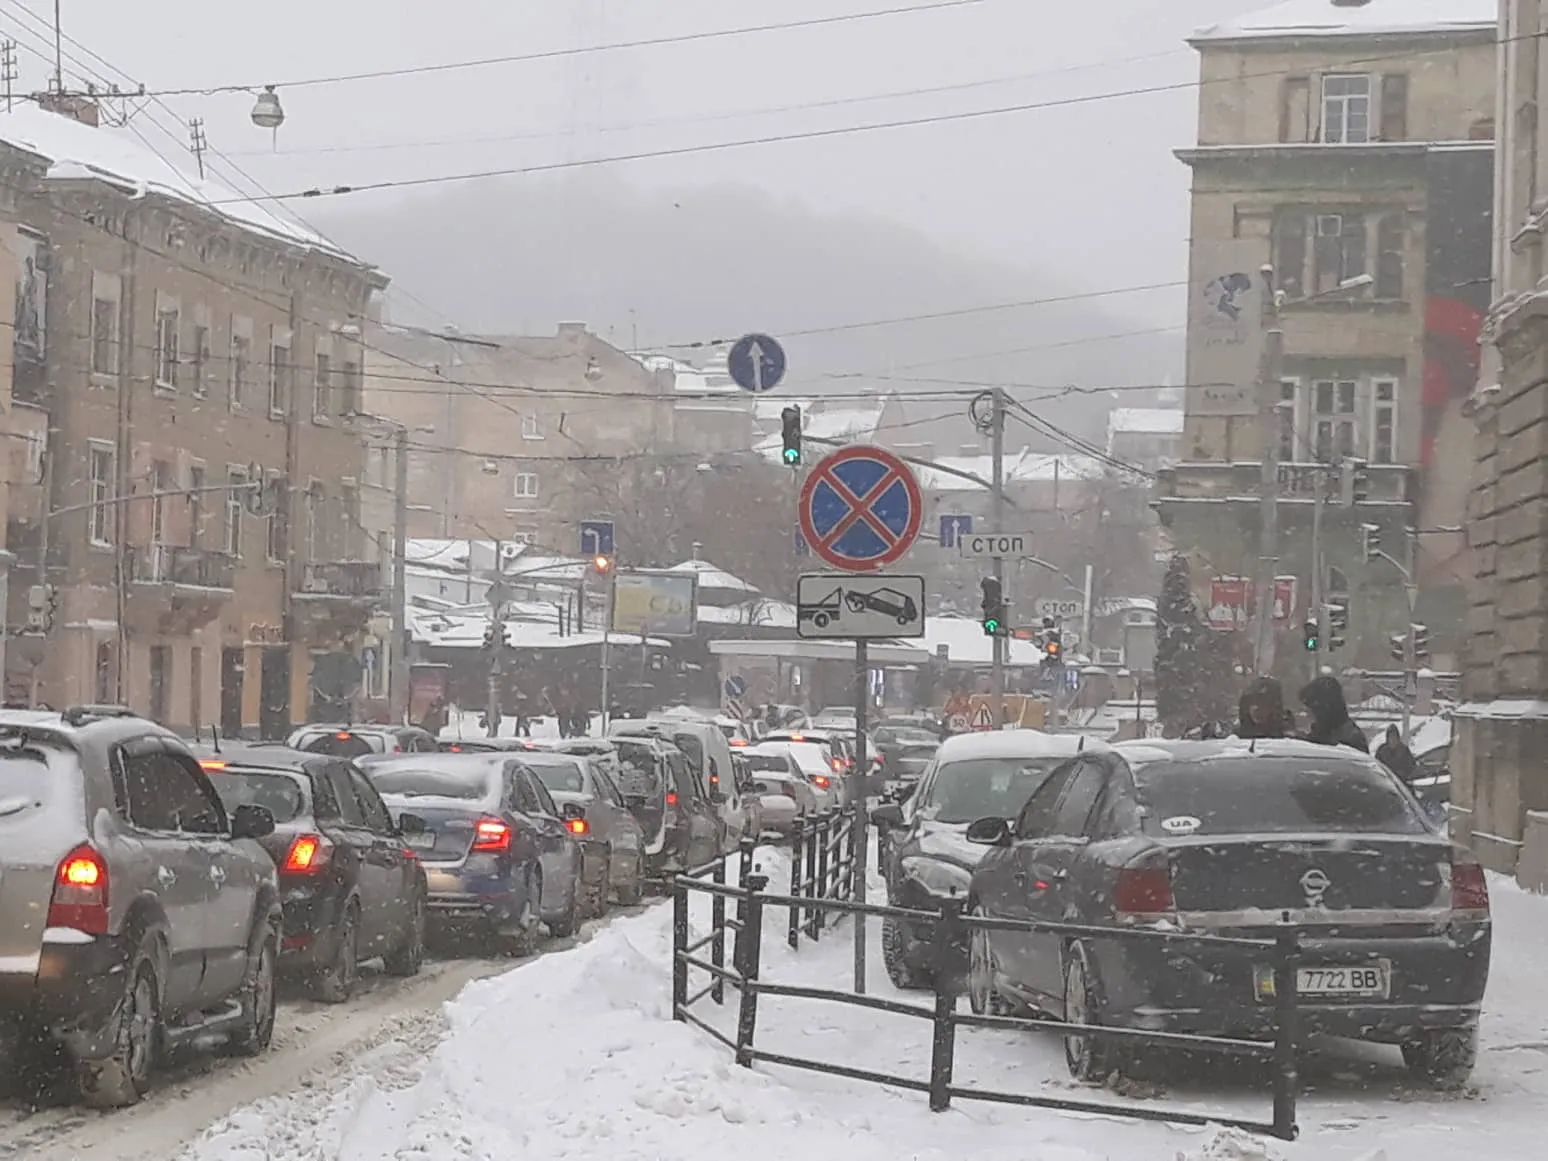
x=859 y=608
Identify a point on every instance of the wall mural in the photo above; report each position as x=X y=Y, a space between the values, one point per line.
x=31 y=320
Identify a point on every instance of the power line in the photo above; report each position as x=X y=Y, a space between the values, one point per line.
x=584 y=50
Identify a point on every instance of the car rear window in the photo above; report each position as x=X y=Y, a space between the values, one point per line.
x=1273 y=795
x=411 y=782
x=974 y=788
x=25 y=782
x=560 y=777
x=768 y=762
x=279 y=794
x=344 y=744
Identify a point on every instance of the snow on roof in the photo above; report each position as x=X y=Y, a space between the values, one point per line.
x=712 y=576
x=452 y=631
x=842 y=423
x=85 y=152
x=1145 y=421
x=1324 y=18
x=755 y=614
x=1025 y=467
x=967 y=646
x=1012 y=744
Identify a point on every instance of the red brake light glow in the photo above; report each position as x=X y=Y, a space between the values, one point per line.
x=797 y=738
x=577 y=825
x=671 y=799
x=307 y=855
x=1469 y=889
x=454 y=749
x=491 y=836
x=821 y=781
x=1143 y=891
x=211 y=764
x=343 y=735
x=739 y=741
x=80 y=897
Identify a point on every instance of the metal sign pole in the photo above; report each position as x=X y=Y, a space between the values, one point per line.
x=607 y=629
x=857 y=804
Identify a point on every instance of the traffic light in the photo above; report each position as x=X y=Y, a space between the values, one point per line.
x=1053 y=648
x=489 y=636
x=1421 y=642
x=1370 y=541
x=601 y=565
x=993 y=607
x=1338 y=624
x=1354 y=483
x=790 y=422
x=1311 y=635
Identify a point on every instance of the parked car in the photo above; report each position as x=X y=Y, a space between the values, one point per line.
x=752 y=803
x=611 y=841
x=349 y=741
x=709 y=757
x=692 y=831
x=925 y=853
x=1223 y=837
x=497 y=854
x=905 y=752
x=137 y=914
x=351 y=888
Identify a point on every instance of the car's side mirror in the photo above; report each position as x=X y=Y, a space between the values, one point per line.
x=411 y=824
x=251 y=822
x=634 y=801
x=889 y=814
x=990 y=832
x=572 y=810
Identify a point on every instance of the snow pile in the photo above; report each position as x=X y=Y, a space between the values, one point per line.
x=1232 y=1145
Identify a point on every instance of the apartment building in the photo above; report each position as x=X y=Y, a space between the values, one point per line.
x=1348 y=145
x=198 y=527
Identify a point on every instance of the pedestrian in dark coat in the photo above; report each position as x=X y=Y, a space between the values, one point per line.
x=1396 y=756
x=1261 y=710
x=1331 y=725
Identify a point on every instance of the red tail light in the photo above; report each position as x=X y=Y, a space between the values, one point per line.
x=739 y=741
x=821 y=781
x=671 y=798
x=343 y=735
x=1469 y=888
x=308 y=854
x=454 y=749
x=491 y=836
x=1145 y=891
x=211 y=765
x=81 y=892
x=577 y=826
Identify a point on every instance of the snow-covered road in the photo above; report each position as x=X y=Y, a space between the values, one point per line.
x=575 y=1056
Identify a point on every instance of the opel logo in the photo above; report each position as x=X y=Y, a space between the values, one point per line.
x=1315 y=883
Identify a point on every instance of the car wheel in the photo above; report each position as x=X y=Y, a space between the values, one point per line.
x=124 y=1077
x=256 y=1030
x=1086 y=1058
x=334 y=983
x=1443 y=1057
x=983 y=996
x=630 y=893
x=409 y=956
x=564 y=926
x=528 y=928
x=904 y=975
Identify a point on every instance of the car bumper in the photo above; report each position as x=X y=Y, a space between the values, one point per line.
x=469 y=899
x=920 y=944
x=780 y=814
x=69 y=997
x=309 y=932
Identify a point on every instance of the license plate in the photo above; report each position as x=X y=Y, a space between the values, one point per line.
x=1371 y=980
x=421 y=842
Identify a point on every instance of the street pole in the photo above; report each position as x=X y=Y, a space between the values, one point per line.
x=398 y=673
x=856 y=794
x=997 y=525
x=1087 y=593
x=496 y=643
x=35 y=683
x=1270 y=392
x=1410 y=646
x=1324 y=627
x=607 y=630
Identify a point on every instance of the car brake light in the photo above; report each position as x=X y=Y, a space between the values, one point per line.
x=1469 y=888
x=1143 y=891
x=797 y=738
x=80 y=899
x=821 y=781
x=671 y=799
x=307 y=855
x=454 y=749
x=211 y=764
x=491 y=836
x=577 y=825
x=342 y=735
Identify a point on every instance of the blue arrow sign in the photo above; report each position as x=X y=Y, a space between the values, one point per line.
x=756 y=363
x=596 y=538
x=954 y=528
x=736 y=686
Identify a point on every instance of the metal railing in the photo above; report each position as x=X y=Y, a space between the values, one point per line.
x=822 y=861
x=952 y=933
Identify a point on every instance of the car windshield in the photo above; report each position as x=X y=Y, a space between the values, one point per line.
x=1276 y=795
x=560 y=777
x=342 y=743
x=974 y=788
x=275 y=792
x=469 y=782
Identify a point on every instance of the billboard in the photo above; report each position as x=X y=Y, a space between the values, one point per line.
x=1233 y=603
x=659 y=604
x=1225 y=326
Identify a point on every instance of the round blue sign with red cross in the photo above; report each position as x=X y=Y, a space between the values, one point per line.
x=861 y=508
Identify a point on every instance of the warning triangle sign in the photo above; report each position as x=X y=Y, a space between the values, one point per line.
x=982 y=718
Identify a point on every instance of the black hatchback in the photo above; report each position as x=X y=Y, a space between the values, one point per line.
x=351 y=889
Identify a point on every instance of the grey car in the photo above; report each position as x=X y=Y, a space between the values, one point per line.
x=136 y=915
x=611 y=841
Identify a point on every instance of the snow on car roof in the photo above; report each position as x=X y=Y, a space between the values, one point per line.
x=1014 y=744
x=1149 y=750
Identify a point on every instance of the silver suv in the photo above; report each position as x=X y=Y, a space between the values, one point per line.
x=135 y=916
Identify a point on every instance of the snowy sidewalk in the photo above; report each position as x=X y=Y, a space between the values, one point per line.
x=576 y=1056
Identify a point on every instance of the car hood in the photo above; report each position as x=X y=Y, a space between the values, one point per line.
x=948 y=842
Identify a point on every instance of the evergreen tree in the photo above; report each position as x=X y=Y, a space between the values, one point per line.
x=1184 y=655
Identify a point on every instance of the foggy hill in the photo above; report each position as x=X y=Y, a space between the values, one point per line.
x=677 y=267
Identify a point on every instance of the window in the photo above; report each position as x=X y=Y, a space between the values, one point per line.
x=168 y=333
x=349 y=498
x=1334 y=420
x=372 y=807
x=523 y=797
x=1079 y=801
x=1294 y=108
x=1037 y=816
x=161 y=484
x=274 y=526
x=199 y=359
x=322 y=386
x=104 y=334
x=107 y=674
x=531 y=427
x=1390 y=237
x=239 y=372
x=196 y=494
x=101 y=464
x=350 y=381
x=1339 y=251
x=160 y=682
x=1384 y=394
x=350 y=811
x=164 y=795
x=279 y=376
x=1290 y=254
x=1289 y=397
x=525 y=486
x=236 y=495
x=1394 y=107
x=1346 y=108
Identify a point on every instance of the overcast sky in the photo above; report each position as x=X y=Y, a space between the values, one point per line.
x=1087 y=190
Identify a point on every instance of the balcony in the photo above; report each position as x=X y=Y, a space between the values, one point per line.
x=174 y=591
x=1201 y=482
x=335 y=599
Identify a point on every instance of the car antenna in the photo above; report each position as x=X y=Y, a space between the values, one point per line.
x=215 y=737
x=1081 y=745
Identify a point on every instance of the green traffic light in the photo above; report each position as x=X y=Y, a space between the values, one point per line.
x=792 y=456
x=1311 y=644
x=991 y=627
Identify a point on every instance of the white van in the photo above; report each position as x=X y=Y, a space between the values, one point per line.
x=710 y=754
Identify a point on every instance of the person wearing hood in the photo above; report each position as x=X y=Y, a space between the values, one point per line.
x=1331 y=725
x=1261 y=710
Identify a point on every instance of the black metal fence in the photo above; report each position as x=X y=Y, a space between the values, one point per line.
x=822 y=861
x=750 y=898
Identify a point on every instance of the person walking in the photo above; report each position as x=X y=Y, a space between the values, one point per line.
x=1331 y=724
x=1395 y=755
x=1261 y=710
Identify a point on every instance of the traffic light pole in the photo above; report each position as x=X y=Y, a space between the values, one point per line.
x=1410 y=645
x=997 y=525
x=1324 y=627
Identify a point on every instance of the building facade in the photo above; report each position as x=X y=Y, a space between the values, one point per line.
x=197 y=526
x=1348 y=149
x=1500 y=732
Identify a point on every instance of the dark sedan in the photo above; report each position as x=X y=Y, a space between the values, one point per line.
x=497 y=853
x=1231 y=838
x=609 y=836
x=350 y=887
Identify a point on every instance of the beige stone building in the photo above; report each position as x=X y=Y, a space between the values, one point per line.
x=1349 y=148
x=199 y=521
x=1500 y=732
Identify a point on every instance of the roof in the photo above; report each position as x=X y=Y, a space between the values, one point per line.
x=966 y=644
x=1145 y=421
x=1013 y=744
x=712 y=576
x=77 y=151
x=1024 y=467
x=1148 y=750
x=1298 y=18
